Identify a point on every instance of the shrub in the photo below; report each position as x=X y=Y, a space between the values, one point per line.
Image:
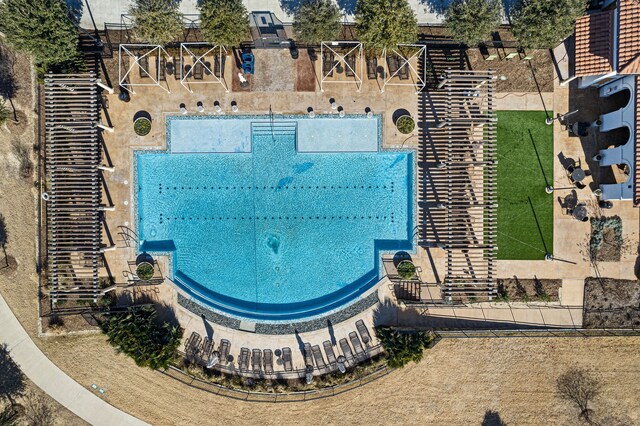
x=542 y=24
x=385 y=23
x=224 y=22
x=598 y=228
x=157 y=21
x=145 y=271
x=317 y=21
x=42 y=28
x=403 y=347
x=473 y=21
x=142 y=126
x=138 y=333
x=406 y=270
x=5 y=112
x=405 y=124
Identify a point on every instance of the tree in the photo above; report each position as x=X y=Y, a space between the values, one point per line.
x=385 y=23
x=317 y=21
x=542 y=24
x=11 y=378
x=42 y=28
x=578 y=387
x=402 y=347
x=9 y=416
x=473 y=21
x=138 y=333
x=5 y=113
x=157 y=21
x=224 y=22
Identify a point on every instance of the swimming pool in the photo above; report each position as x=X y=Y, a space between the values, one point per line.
x=260 y=230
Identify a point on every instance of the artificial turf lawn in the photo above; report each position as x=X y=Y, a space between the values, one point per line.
x=521 y=192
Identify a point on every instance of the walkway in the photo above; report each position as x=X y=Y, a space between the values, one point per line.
x=44 y=373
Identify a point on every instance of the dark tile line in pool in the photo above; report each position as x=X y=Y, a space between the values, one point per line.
x=223 y=218
x=279 y=188
x=282 y=328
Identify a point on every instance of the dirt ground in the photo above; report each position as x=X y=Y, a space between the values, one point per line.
x=529 y=290
x=611 y=303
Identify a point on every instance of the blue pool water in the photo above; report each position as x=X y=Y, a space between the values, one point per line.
x=271 y=233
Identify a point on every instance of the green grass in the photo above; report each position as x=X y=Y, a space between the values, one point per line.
x=521 y=192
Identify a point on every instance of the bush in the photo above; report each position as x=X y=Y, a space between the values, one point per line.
x=142 y=126
x=145 y=271
x=317 y=21
x=406 y=270
x=385 y=23
x=42 y=28
x=403 y=347
x=138 y=333
x=157 y=21
x=5 y=112
x=473 y=21
x=224 y=22
x=542 y=24
x=405 y=124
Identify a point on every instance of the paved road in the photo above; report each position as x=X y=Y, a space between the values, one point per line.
x=44 y=373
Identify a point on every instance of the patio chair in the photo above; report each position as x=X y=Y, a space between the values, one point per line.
x=346 y=350
x=218 y=66
x=308 y=359
x=392 y=64
x=243 y=360
x=351 y=65
x=268 y=361
x=511 y=55
x=372 y=68
x=328 y=61
x=143 y=67
x=317 y=356
x=256 y=361
x=357 y=346
x=286 y=359
x=198 y=71
x=224 y=348
x=162 y=65
x=364 y=331
x=328 y=349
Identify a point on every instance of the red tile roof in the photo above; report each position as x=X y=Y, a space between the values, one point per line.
x=629 y=37
x=594 y=43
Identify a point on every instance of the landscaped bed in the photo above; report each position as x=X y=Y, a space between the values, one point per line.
x=610 y=303
x=525 y=210
x=527 y=290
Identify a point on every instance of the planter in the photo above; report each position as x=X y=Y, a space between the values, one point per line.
x=145 y=271
x=405 y=124
x=406 y=270
x=142 y=126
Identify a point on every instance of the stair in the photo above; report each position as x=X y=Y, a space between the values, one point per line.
x=280 y=128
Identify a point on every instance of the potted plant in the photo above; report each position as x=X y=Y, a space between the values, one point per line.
x=405 y=124
x=142 y=126
x=145 y=271
x=406 y=270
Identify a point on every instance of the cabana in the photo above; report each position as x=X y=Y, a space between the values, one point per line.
x=151 y=62
x=200 y=70
x=404 y=65
x=342 y=62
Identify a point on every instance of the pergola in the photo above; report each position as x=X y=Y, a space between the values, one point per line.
x=338 y=56
x=404 y=65
x=194 y=73
x=138 y=56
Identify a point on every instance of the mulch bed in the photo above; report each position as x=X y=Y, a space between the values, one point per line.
x=606 y=239
x=611 y=303
x=305 y=73
x=528 y=290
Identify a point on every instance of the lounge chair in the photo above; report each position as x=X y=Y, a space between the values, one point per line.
x=218 y=67
x=308 y=359
x=143 y=64
x=392 y=64
x=372 y=68
x=268 y=361
x=224 y=348
x=328 y=61
x=364 y=331
x=207 y=348
x=286 y=359
x=243 y=360
x=192 y=345
x=317 y=356
x=162 y=65
x=198 y=70
x=403 y=71
x=256 y=361
x=351 y=65
x=346 y=350
x=328 y=349
x=177 y=66
x=357 y=346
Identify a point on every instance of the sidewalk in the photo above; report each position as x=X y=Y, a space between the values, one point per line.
x=44 y=373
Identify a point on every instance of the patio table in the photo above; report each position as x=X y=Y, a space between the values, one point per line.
x=578 y=175
x=580 y=212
